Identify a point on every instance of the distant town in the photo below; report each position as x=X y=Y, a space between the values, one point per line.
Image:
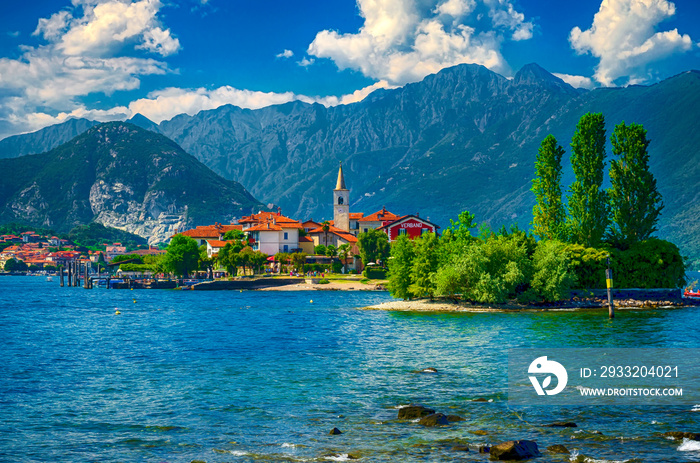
x=270 y=233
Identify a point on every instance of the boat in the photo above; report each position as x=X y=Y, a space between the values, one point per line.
x=691 y=293
x=49 y=278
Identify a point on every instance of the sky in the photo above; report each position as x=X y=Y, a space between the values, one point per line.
x=111 y=59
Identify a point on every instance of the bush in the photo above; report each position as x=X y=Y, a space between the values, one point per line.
x=337 y=267
x=374 y=273
x=588 y=264
x=323 y=281
x=652 y=263
x=553 y=276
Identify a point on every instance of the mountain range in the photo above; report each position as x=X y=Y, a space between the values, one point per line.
x=121 y=176
x=462 y=139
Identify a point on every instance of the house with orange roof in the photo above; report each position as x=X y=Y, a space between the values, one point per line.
x=275 y=236
x=214 y=246
x=203 y=233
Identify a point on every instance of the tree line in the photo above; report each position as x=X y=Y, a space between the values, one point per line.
x=569 y=242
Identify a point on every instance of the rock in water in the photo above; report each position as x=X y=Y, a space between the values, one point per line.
x=515 y=450
x=558 y=449
x=460 y=448
x=411 y=412
x=436 y=419
x=335 y=431
x=455 y=418
x=561 y=424
x=683 y=435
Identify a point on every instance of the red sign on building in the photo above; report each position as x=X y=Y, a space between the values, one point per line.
x=409 y=225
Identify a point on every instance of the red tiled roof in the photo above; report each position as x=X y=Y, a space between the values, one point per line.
x=218 y=243
x=356 y=215
x=349 y=237
x=305 y=239
x=210 y=231
x=310 y=222
x=267 y=226
x=380 y=216
x=263 y=216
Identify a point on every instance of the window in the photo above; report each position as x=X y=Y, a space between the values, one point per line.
x=286 y=235
x=340 y=200
x=286 y=248
x=365 y=230
x=423 y=231
x=402 y=231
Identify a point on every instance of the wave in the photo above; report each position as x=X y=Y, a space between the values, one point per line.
x=689 y=445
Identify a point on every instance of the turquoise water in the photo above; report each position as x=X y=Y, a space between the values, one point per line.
x=264 y=376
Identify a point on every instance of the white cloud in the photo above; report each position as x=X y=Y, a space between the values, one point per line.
x=623 y=36
x=107 y=26
x=456 y=8
x=576 y=81
x=402 y=41
x=285 y=54
x=306 y=62
x=86 y=53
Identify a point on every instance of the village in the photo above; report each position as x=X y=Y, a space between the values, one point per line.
x=270 y=233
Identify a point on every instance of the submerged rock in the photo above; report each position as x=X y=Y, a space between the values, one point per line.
x=426 y=370
x=479 y=399
x=561 y=424
x=411 y=412
x=558 y=448
x=460 y=448
x=455 y=418
x=435 y=419
x=683 y=435
x=515 y=450
x=480 y=432
x=335 y=431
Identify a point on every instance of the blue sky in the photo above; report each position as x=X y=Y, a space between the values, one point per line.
x=109 y=59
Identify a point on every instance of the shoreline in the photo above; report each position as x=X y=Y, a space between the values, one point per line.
x=426 y=305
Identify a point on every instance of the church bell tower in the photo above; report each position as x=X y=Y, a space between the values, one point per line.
x=341 y=203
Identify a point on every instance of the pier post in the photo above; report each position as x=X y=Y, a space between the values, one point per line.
x=609 y=284
x=60 y=275
x=86 y=283
x=70 y=274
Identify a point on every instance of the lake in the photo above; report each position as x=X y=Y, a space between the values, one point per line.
x=264 y=376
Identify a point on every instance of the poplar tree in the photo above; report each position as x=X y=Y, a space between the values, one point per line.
x=635 y=202
x=548 y=214
x=588 y=202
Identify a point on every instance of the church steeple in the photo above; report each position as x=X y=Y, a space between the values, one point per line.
x=341 y=203
x=340 y=184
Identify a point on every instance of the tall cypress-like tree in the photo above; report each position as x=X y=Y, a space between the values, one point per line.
x=548 y=214
x=634 y=199
x=588 y=202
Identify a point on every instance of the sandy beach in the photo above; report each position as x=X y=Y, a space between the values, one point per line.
x=332 y=286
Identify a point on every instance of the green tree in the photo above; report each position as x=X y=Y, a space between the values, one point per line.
x=553 y=276
x=326 y=226
x=298 y=261
x=247 y=256
x=331 y=251
x=461 y=229
x=182 y=256
x=344 y=253
x=635 y=201
x=229 y=258
x=400 y=266
x=320 y=250
x=588 y=202
x=206 y=263
x=425 y=264
x=548 y=214
x=257 y=260
x=15 y=265
x=374 y=246
x=234 y=235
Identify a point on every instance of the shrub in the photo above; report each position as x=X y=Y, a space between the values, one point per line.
x=553 y=276
x=652 y=263
x=374 y=273
x=323 y=281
